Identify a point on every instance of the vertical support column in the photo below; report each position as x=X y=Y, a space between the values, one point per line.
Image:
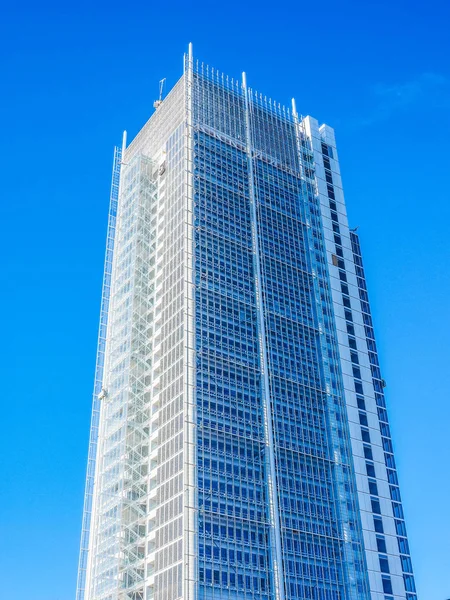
x=274 y=516
x=190 y=458
x=83 y=580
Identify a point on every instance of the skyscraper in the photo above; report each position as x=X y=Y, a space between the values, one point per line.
x=240 y=445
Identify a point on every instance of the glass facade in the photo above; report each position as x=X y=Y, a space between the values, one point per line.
x=229 y=464
x=379 y=384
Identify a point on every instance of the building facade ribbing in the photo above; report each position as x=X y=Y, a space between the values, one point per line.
x=240 y=446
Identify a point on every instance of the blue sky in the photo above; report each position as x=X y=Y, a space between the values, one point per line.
x=74 y=75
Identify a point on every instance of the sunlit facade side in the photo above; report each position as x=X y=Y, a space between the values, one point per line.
x=240 y=445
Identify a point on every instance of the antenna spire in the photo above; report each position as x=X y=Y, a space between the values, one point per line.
x=158 y=102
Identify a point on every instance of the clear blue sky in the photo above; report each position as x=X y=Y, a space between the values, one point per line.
x=74 y=75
